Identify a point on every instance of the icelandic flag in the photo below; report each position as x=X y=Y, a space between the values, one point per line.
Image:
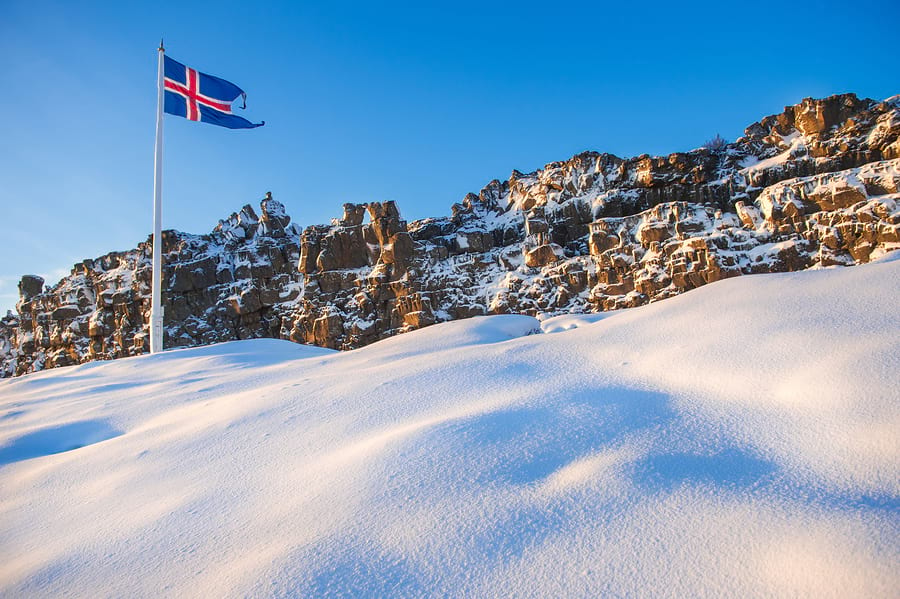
x=197 y=96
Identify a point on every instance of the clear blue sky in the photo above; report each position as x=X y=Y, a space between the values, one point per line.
x=415 y=102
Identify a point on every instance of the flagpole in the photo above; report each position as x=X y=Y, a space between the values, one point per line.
x=156 y=312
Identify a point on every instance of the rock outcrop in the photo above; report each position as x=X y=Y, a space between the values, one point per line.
x=815 y=186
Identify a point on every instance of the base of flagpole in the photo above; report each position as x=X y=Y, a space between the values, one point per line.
x=156 y=334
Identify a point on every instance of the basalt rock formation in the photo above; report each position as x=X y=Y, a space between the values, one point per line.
x=815 y=186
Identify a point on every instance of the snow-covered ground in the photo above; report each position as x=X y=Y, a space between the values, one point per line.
x=740 y=440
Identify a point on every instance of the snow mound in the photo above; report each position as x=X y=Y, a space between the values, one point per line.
x=567 y=322
x=737 y=440
x=447 y=336
x=56 y=439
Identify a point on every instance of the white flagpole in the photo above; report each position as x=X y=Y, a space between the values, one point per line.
x=156 y=312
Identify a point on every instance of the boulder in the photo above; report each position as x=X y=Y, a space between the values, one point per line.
x=30 y=286
x=273 y=217
x=542 y=255
x=65 y=313
x=353 y=215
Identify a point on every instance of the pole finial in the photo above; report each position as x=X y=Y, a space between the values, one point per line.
x=161 y=48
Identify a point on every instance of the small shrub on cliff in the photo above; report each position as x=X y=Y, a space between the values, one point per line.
x=716 y=144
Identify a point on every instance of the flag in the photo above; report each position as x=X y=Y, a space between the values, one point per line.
x=197 y=96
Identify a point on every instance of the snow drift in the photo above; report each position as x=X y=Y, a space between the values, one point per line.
x=738 y=440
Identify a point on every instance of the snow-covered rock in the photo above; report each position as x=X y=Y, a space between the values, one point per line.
x=812 y=187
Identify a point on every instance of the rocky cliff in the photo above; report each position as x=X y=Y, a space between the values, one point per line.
x=815 y=186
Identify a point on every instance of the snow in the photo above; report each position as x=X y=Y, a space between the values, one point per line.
x=752 y=164
x=567 y=322
x=737 y=440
